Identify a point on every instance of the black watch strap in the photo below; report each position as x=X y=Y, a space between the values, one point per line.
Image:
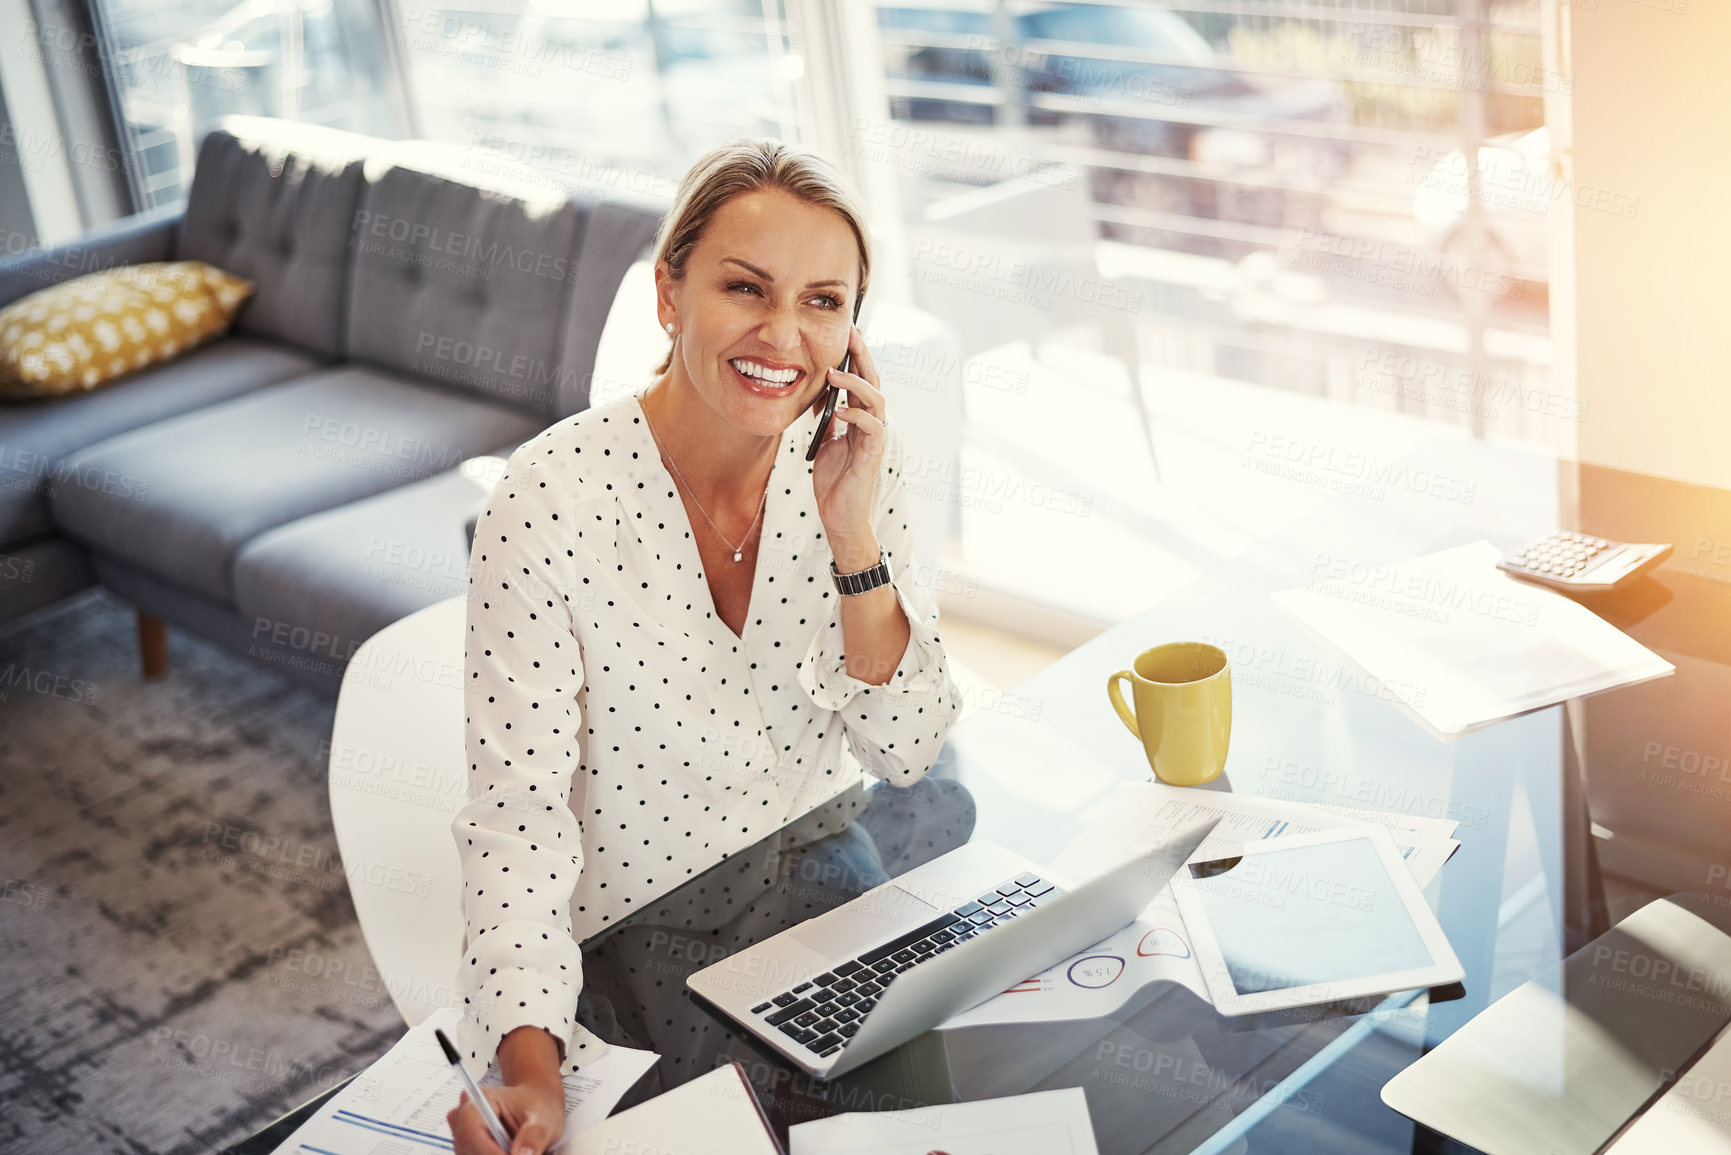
x=863 y=580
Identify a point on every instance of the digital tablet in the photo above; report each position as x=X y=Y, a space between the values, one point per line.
x=1311 y=918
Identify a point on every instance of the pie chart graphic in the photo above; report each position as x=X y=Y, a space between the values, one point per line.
x=1163 y=940
x=1096 y=971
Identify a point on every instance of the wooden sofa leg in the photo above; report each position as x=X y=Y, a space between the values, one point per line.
x=152 y=645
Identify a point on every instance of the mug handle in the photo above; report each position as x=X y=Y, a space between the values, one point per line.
x=1117 y=697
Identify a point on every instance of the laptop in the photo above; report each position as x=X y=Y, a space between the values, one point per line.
x=848 y=986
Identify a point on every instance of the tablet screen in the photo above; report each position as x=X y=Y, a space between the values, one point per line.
x=1307 y=914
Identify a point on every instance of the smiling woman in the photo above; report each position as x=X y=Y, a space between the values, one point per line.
x=682 y=636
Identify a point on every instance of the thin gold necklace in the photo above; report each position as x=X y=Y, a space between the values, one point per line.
x=738 y=553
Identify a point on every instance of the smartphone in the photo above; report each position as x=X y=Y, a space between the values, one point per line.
x=831 y=394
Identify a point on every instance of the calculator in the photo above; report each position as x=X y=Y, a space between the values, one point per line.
x=1580 y=561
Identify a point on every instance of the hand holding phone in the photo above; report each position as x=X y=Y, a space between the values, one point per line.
x=832 y=394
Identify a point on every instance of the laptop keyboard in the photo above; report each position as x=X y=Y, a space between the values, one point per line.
x=822 y=1013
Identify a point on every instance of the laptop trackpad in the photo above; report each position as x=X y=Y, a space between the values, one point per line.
x=844 y=932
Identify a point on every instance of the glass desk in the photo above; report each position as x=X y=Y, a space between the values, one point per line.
x=1634 y=785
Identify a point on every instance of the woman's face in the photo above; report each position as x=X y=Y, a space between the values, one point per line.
x=764 y=308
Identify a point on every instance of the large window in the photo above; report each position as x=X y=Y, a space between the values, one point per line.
x=592 y=93
x=600 y=94
x=1291 y=176
x=1193 y=243
x=1170 y=237
x=178 y=66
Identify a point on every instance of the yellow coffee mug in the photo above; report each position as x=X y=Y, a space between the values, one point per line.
x=1183 y=715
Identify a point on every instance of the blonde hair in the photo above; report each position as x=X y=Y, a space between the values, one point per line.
x=744 y=166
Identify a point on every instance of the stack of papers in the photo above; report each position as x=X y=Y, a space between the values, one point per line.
x=1463 y=645
x=1043 y=1123
x=1156 y=947
x=399 y=1104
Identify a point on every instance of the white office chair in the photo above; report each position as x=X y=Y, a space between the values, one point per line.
x=1016 y=260
x=919 y=363
x=397 y=778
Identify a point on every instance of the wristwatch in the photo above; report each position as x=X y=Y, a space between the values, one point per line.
x=862 y=580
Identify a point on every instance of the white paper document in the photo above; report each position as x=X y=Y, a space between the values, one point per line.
x=1043 y=1123
x=1462 y=645
x=1156 y=947
x=398 y=1105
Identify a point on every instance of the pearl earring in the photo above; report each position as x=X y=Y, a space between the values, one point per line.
x=670 y=326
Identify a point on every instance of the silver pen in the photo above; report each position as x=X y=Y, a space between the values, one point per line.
x=475 y=1096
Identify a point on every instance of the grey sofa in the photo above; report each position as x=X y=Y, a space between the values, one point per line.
x=294 y=487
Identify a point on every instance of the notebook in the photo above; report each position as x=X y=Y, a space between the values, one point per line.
x=1694 y=1115
x=1561 y=1063
x=714 y=1114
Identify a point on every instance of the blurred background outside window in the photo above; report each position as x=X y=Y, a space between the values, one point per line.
x=1209 y=263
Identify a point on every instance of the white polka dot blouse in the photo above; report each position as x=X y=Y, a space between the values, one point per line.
x=620 y=737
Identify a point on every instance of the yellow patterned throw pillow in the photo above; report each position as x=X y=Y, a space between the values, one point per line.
x=72 y=337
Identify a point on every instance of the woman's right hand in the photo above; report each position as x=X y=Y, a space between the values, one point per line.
x=531 y=1104
x=533 y=1115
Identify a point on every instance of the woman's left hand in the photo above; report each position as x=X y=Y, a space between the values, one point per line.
x=845 y=471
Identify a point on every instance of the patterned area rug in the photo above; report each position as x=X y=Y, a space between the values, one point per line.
x=179 y=959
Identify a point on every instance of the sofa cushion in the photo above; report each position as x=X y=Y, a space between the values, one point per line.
x=275 y=202
x=97 y=328
x=209 y=482
x=463 y=278
x=347 y=573
x=36 y=435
